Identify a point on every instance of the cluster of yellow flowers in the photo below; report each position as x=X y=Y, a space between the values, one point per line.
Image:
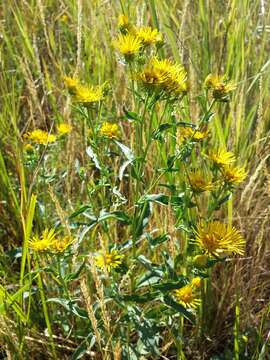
x=110 y=130
x=214 y=239
x=132 y=40
x=160 y=79
x=189 y=133
x=223 y=160
x=42 y=137
x=50 y=242
x=157 y=75
x=86 y=95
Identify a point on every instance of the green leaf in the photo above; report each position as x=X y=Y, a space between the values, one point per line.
x=130 y=115
x=123 y=168
x=126 y=151
x=93 y=156
x=179 y=308
x=11 y=300
x=170 y=285
x=85 y=345
x=224 y=199
x=117 y=215
x=156 y=135
x=150 y=266
x=156 y=198
x=149 y=278
x=81 y=210
x=69 y=306
x=177 y=200
x=141 y=299
x=157 y=240
x=74 y=275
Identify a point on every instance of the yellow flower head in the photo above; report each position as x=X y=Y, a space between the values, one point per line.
x=44 y=242
x=88 y=95
x=41 y=137
x=149 y=36
x=219 y=85
x=28 y=148
x=222 y=157
x=64 y=128
x=163 y=76
x=48 y=241
x=59 y=245
x=218 y=238
x=186 y=296
x=188 y=133
x=64 y=18
x=109 y=260
x=199 y=183
x=196 y=282
x=128 y=45
x=72 y=84
x=233 y=174
x=124 y=24
x=200 y=261
x=109 y=130
x=123 y=21
x=213 y=80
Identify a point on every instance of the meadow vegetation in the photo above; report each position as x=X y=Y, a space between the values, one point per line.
x=134 y=179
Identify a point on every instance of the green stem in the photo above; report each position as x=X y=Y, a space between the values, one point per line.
x=45 y=309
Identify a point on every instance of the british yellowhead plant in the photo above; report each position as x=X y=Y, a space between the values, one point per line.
x=174 y=163
x=122 y=278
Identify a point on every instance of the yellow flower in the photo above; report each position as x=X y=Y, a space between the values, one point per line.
x=199 y=183
x=48 y=241
x=187 y=297
x=110 y=130
x=163 y=76
x=217 y=238
x=72 y=84
x=200 y=261
x=61 y=244
x=41 y=137
x=188 y=133
x=219 y=85
x=196 y=282
x=28 y=148
x=64 y=18
x=109 y=261
x=222 y=157
x=44 y=242
x=234 y=174
x=123 y=21
x=88 y=95
x=124 y=24
x=64 y=128
x=212 y=80
x=148 y=35
x=85 y=94
x=128 y=45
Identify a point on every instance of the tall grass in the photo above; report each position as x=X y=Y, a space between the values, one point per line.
x=52 y=308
